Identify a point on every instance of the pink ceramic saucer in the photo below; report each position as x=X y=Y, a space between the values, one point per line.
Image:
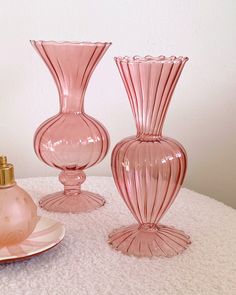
x=47 y=234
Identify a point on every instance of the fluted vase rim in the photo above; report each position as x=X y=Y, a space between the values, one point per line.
x=78 y=43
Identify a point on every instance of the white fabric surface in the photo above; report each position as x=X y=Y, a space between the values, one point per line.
x=85 y=264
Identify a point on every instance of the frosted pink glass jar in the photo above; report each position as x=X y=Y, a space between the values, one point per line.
x=18 y=212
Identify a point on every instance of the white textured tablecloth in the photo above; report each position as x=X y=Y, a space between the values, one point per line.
x=85 y=264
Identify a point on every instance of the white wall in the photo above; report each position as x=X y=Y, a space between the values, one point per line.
x=202 y=113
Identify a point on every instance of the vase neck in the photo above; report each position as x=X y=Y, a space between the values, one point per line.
x=71 y=65
x=150 y=83
x=71 y=103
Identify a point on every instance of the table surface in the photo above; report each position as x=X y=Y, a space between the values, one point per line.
x=83 y=263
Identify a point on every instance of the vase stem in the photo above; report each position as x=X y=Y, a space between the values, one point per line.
x=72 y=181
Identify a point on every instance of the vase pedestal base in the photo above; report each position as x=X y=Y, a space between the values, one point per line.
x=149 y=240
x=71 y=203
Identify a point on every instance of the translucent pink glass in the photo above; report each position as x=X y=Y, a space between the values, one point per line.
x=149 y=168
x=72 y=140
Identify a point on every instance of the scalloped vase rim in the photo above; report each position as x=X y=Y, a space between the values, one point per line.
x=149 y=58
x=87 y=43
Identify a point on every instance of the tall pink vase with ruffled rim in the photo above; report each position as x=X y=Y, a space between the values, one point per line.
x=149 y=168
x=72 y=140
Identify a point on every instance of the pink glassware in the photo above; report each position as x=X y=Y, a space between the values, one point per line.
x=71 y=141
x=149 y=168
x=18 y=212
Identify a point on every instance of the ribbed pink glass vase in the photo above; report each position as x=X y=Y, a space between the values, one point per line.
x=149 y=168
x=71 y=141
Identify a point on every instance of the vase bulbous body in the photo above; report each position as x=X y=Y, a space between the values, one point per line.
x=72 y=140
x=149 y=168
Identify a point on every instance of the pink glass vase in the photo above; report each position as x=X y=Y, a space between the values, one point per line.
x=149 y=168
x=71 y=141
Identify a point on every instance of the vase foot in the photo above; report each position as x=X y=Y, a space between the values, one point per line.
x=149 y=240
x=75 y=203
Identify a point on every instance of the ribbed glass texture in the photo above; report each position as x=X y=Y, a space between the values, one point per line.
x=72 y=140
x=149 y=168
